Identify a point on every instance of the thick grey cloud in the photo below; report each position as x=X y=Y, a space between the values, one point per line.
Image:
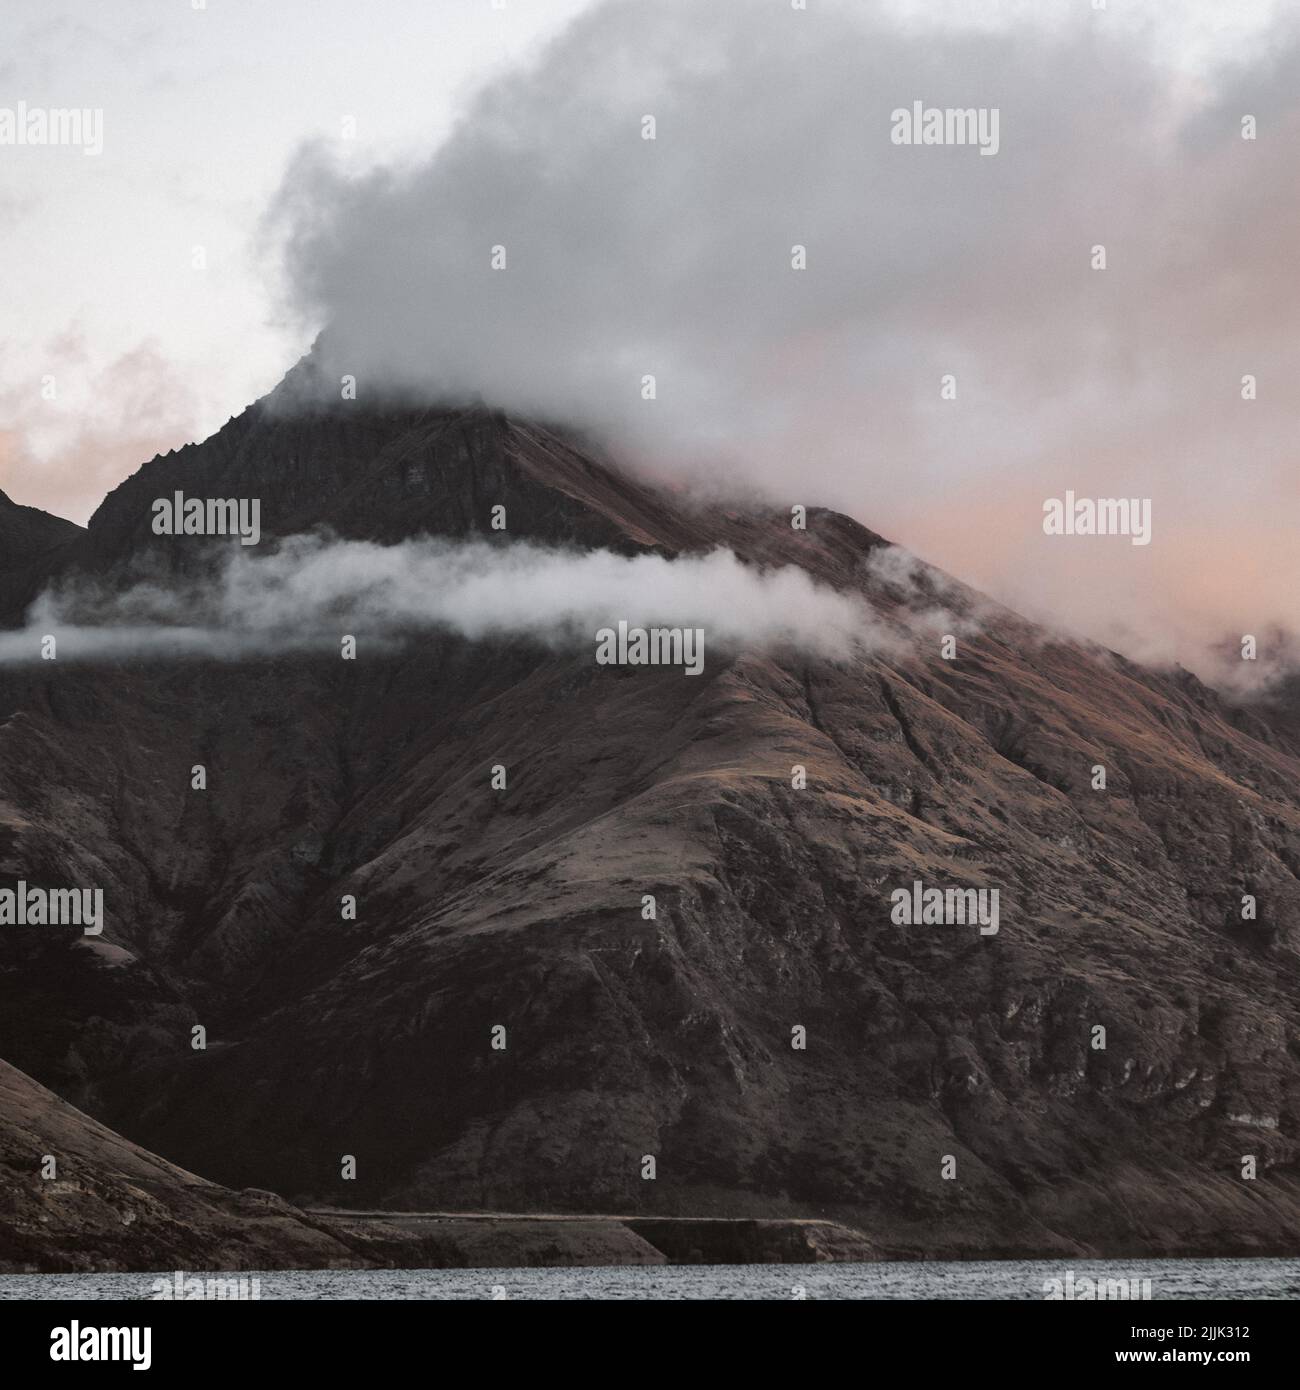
x=672 y=257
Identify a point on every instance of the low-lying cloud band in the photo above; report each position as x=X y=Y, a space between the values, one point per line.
x=310 y=590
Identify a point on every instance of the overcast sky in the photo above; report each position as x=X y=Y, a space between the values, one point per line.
x=231 y=128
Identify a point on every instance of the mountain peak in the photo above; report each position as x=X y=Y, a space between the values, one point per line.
x=772 y=808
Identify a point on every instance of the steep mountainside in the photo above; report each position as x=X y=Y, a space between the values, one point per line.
x=32 y=545
x=626 y=1037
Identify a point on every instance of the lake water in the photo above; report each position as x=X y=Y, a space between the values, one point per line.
x=1002 y=1279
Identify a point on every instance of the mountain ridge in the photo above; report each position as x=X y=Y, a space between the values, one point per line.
x=521 y=908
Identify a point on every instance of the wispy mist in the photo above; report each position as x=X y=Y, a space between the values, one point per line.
x=311 y=589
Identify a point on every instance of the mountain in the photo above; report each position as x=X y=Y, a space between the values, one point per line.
x=27 y=534
x=107 y=1204
x=32 y=546
x=926 y=1045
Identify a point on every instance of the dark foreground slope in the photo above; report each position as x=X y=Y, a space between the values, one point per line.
x=106 y=1204
x=627 y=1037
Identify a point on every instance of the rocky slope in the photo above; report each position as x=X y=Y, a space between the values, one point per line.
x=1120 y=908
x=105 y=1204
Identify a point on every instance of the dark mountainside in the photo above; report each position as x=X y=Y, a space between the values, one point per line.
x=522 y=907
x=33 y=545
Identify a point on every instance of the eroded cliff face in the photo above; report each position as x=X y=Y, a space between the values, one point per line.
x=1120 y=909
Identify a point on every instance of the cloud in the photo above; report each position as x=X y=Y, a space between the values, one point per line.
x=671 y=258
x=73 y=429
x=310 y=590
